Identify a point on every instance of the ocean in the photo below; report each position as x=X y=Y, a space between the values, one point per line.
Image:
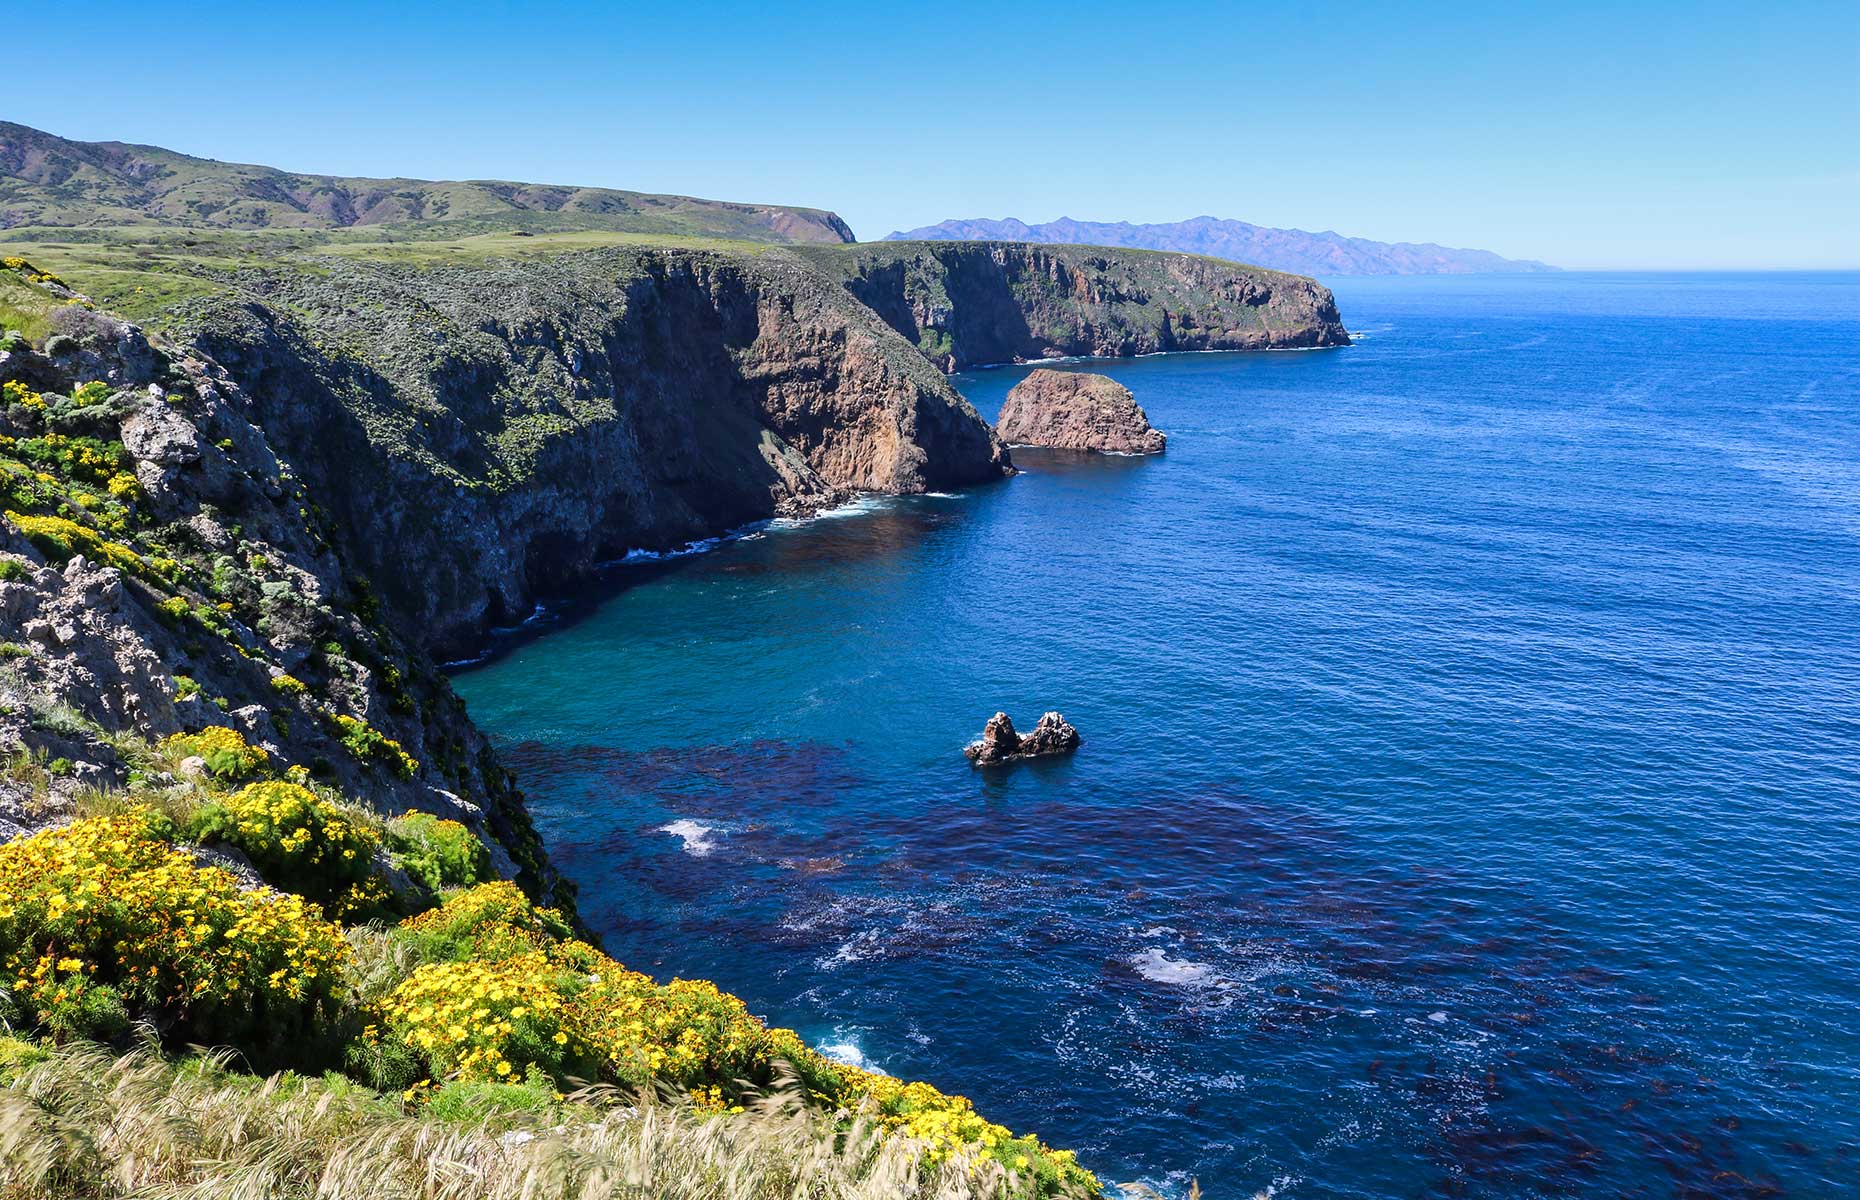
x=1469 y=802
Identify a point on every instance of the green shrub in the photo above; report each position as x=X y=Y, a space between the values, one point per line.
x=366 y=743
x=12 y=570
x=228 y=755
x=61 y=539
x=489 y=921
x=440 y=853
x=14 y=650
x=299 y=843
x=185 y=688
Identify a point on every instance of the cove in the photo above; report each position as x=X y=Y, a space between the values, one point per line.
x=1472 y=732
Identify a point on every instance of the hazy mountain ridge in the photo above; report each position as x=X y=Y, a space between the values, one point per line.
x=1279 y=249
x=46 y=180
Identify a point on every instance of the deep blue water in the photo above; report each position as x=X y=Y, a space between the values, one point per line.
x=1470 y=799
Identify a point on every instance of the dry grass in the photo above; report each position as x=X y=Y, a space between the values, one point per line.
x=83 y=1123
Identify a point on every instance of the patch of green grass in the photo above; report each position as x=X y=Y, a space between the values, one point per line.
x=24 y=308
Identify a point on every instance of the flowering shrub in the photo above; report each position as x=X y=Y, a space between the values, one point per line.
x=15 y=392
x=442 y=853
x=104 y=915
x=227 y=754
x=81 y=458
x=63 y=539
x=686 y=1032
x=491 y=921
x=479 y=1020
x=948 y=1124
x=635 y=1031
x=298 y=842
x=366 y=742
x=290 y=685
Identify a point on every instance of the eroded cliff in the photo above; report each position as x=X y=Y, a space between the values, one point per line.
x=967 y=304
x=489 y=432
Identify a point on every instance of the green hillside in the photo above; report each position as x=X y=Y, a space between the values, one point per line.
x=47 y=180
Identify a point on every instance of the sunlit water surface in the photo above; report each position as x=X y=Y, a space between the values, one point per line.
x=1470 y=797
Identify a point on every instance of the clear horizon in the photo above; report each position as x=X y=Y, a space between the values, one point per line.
x=1668 y=137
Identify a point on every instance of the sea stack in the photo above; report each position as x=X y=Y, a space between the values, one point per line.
x=999 y=743
x=1076 y=410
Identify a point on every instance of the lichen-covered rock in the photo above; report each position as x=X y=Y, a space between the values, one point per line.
x=1000 y=743
x=1075 y=410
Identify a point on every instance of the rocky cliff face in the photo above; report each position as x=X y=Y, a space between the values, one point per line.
x=163 y=571
x=969 y=304
x=1076 y=410
x=485 y=434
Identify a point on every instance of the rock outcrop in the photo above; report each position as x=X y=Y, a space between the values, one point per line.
x=202 y=588
x=1000 y=743
x=966 y=304
x=1076 y=410
x=493 y=432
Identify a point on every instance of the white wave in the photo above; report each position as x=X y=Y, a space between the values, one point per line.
x=696 y=837
x=1156 y=966
x=852 y=508
x=941 y=496
x=842 y=1048
x=742 y=533
x=857 y=948
x=684 y=551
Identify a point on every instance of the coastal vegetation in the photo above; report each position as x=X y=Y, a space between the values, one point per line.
x=122 y=928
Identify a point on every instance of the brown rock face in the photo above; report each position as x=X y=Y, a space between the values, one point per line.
x=1073 y=410
x=1050 y=735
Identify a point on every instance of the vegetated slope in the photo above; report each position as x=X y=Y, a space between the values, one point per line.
x=53 y=181
x=1280 y=249
x=268 y=850
x=969 y=304
x=164 y=572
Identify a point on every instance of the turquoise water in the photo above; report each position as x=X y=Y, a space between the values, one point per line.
x=1470 y=797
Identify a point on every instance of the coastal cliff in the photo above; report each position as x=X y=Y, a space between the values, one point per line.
x=486 y=434
x=461 y=428
x=966 y=304
x=164 y=572
x=238 y=532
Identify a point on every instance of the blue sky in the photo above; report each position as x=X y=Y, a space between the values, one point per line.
x=1591 y=136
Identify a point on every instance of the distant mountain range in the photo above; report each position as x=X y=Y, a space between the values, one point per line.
x=47 y=180
x=1280 y=249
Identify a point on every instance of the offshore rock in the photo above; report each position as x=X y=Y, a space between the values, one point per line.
x=1075 y=410
x=1000 y=743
